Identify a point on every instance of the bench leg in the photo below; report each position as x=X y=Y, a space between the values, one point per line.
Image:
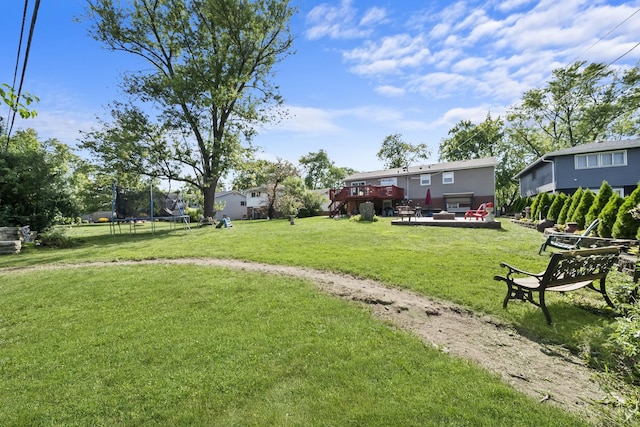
x=544 y=308
x=603 y=290
x=516 y=292
x=543 y=247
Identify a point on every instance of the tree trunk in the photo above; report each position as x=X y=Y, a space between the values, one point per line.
x=209 y=193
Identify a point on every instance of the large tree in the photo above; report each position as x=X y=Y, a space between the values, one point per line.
x=396 y=153
x=277 y=173
x=580 y=104
x=209 y=84
x=470 y=141
x=35 y=188
x=320 y=172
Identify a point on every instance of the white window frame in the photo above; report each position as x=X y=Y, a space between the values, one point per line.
x=596 y=160
x=447 y=178
x=425 y=179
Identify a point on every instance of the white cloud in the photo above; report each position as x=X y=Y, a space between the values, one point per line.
x=390 y=55
x=470 y=64
x=307 y=120
x=373 y=16
x=475 y=114
x=510 y=5
x=341 y=22
x=441 y=85
x=390 y=91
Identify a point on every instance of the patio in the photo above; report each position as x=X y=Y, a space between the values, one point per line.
x=456 y=222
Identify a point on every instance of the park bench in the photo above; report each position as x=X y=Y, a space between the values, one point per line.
x=567 y=271
x=406 y=211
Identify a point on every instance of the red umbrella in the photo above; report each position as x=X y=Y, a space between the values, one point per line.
x=427 y=200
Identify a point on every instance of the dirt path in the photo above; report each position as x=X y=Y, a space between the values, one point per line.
x=551 y=375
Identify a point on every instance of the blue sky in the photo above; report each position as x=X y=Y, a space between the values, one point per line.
x=364 y=69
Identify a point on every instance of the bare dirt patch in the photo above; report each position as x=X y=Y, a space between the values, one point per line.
x=551 y=375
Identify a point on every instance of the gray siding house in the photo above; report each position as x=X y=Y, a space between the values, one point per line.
x=235 y=205
x=586 y=166
x=453 y=186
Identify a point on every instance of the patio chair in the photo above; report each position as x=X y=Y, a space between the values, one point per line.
x=479 y=213
x=568 y=241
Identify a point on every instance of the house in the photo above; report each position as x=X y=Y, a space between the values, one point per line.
x=257 y=202
x=586 y=166
x=454 y=186
x=235 y=205
x=324 y=205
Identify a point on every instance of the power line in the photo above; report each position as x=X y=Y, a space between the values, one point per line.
x=26 y=59
x=15 y=71
x=603 y=37
x=581 y=53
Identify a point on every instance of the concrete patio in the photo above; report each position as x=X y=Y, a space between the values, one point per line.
x=459 y=222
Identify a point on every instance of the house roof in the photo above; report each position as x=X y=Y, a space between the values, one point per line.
x=230 y=192
x=420 y=169
x=592 y=147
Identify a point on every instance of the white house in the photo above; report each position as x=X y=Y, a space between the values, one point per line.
x=257 y=203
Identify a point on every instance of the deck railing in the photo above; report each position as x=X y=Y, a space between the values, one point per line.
x=367 y=192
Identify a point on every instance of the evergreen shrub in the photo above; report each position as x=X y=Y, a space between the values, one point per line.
x=575 y=201
x=556 y=207
x=626 y=226
x=608 y=215
x=562 y=217
x=603 y=196
x=583 y=207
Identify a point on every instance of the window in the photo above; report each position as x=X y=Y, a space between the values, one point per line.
x=620 y=158
x=601 y=160
x=255 y=194
x=358 y=183
x=425 y=179
x=243 y=203
x=447 y=177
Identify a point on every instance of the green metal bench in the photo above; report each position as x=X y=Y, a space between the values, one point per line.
x=567 y=271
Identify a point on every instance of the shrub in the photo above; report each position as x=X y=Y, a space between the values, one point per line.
x=583 y=207
x=55 y=238
x=534 y=206
x=575 y=201
x=194 y=214
x=608 y=215
x=311 y=204
x=540 y=206
x=562 y=218
x=635 y=213
x=520 y=203
x=604 y=194
x=556 y=207
x=358 y=218
x=626 y=226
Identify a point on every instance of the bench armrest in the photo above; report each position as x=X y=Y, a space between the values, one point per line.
x=515 y=270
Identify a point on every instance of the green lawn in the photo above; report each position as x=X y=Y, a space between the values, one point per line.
x=192 y=345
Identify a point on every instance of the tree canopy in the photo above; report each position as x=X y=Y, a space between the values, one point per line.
x=581 y=103
x=320 y=172
x=209 y=84
x=396 y=153
x=35 y=188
